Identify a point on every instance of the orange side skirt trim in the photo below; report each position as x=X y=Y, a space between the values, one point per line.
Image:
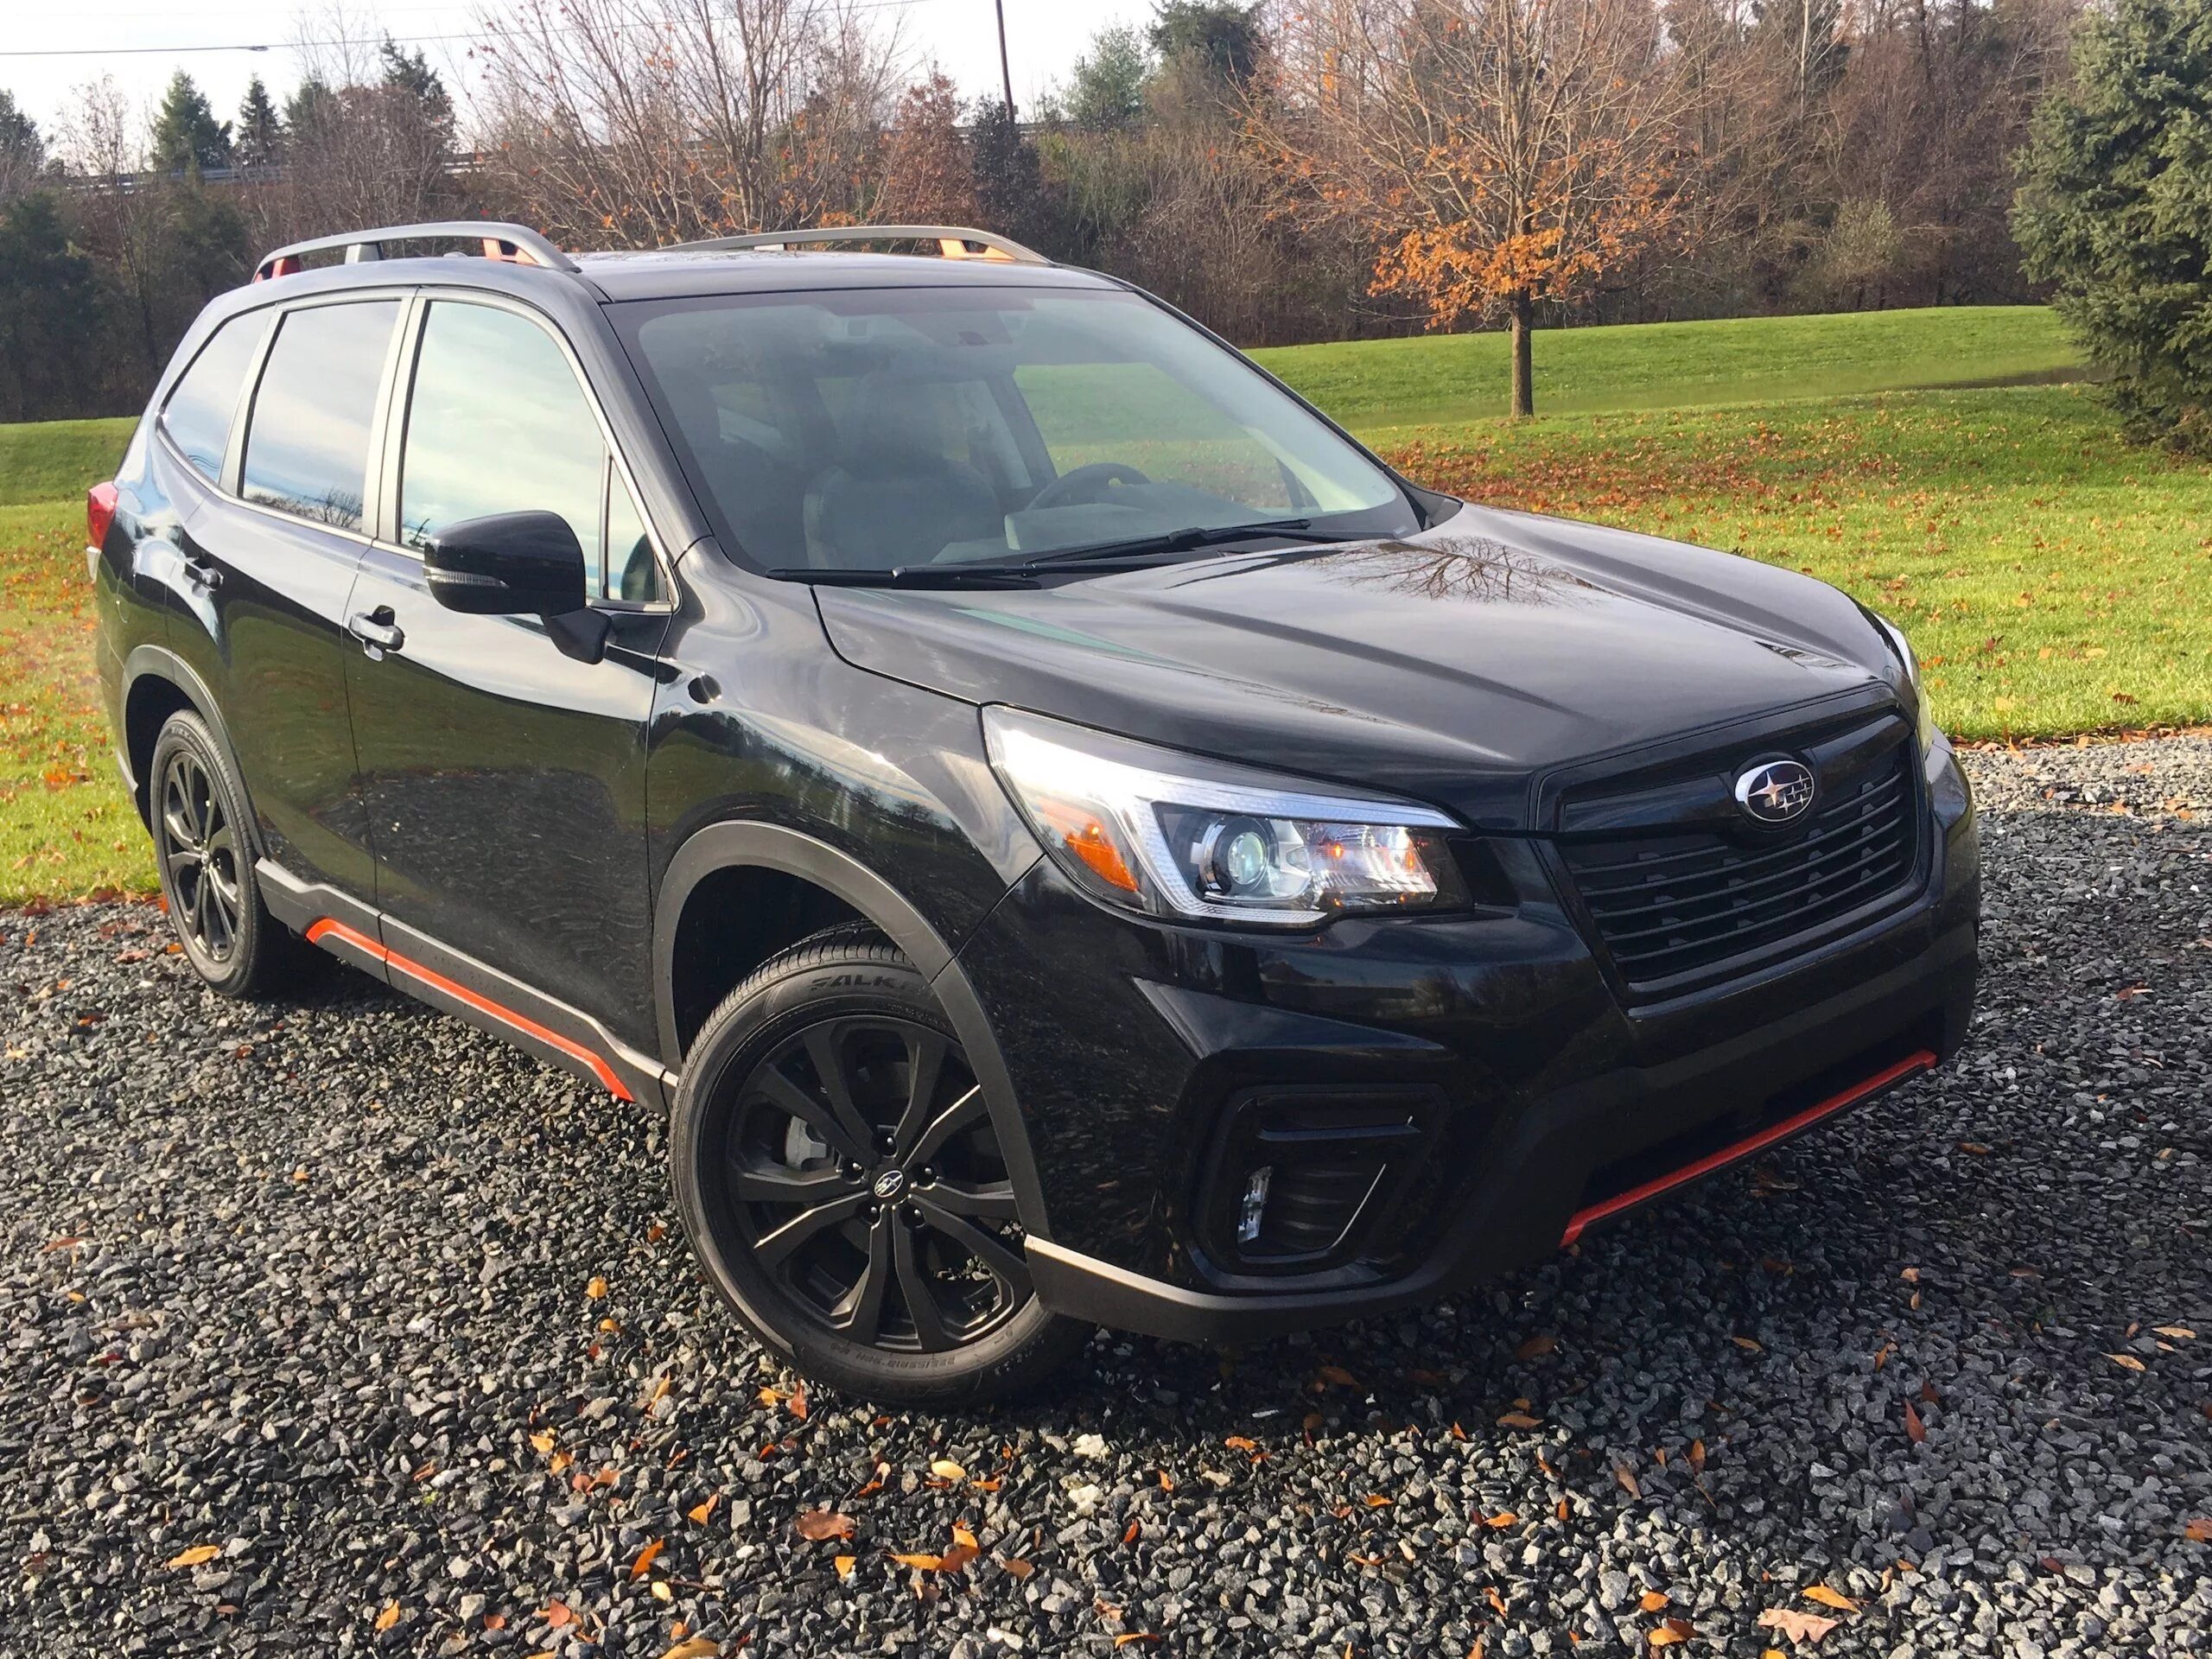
x=1920 y=1061
x=328 y=928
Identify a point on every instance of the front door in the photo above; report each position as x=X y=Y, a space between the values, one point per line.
x=503 y=782
x=265 y=562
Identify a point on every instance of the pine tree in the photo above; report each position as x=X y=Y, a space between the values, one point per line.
x=410 y=74
x=1222 y=39
x=186 y=135
x=2115 y=210
x=1009 y=178
x=1107 y=88
x=260 y=129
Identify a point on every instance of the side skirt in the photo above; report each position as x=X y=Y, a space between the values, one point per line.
x=460 y=985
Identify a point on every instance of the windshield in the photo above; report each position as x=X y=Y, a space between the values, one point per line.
x=872 y=429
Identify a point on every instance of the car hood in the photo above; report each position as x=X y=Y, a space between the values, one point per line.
x=1453 y=666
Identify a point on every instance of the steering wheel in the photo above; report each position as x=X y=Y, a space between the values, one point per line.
x=1085 y=484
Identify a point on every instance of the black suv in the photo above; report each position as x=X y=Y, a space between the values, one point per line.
x=1067 y=835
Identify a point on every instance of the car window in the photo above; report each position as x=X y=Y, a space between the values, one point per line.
x=197 y=417
x=498 y=424
x=631 y=572
x=307 y=445
x=873 y=428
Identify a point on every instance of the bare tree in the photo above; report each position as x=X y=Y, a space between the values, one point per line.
x=1499 y=153
x=615 y=122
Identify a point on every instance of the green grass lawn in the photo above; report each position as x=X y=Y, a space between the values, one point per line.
x=2055 y=580
x=1388 y=383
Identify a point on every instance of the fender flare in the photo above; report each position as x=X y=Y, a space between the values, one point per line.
x=160 y=663
x=774 y=847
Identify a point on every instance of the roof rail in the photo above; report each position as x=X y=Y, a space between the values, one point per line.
x=953 y=241
x=517 y=244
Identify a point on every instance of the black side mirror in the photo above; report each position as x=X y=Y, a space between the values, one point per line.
x=519 y=564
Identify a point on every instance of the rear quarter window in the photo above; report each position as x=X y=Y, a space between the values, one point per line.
x=197 y=416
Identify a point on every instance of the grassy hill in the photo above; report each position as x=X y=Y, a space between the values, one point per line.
x=2054 y=579
x=1446 y=378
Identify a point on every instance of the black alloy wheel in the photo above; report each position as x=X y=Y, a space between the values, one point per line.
x=841 y=1181
x=204 y=855
x=199 y=854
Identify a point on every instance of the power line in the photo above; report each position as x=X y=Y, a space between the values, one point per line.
x=288 y=46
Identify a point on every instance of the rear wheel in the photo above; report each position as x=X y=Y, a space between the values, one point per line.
x=203 y=853
x=841 y=1180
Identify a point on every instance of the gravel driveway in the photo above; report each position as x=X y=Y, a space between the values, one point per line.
x=333 y=1326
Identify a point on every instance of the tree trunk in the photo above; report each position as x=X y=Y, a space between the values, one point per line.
x=1524 y=388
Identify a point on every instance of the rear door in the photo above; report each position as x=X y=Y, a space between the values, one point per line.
x=267 y=559
x=505 y=782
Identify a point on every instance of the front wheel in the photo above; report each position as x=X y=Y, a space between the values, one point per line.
x=840 y=1181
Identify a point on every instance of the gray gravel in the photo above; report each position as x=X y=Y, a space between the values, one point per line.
x=312 y=1287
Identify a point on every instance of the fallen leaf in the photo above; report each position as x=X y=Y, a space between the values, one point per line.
x=596 y=1288
x=542 y=1442
x=2126 y=1361
x=1536 y=1347
x=1241 y=1443
x=2198 y=1532
x=845 y=1565
x=558 y=1613
x=2178 y=1333
x=1749 y=1344
x=1652 y=1600
x=1672 y=1633
x=388 y=1617
x=920 y=1563
x=798 y=1404
x=699 y=1515
x=1338 y=1376
x=1915 y=1430
x=946 y=1469
x=1127 y=1636
x=1626 y=1478
x=957 y=1557
x=1519 y=1419
x=961 y=1535
x=644 y=1564
x=1502 y=1520
x=1018 y=1568
x=1376 y=1500
x=1697 y=1456
x=1797 y=1624
x=1561 y=1509
x=198 y=1555
x=696 y=1647
x=816 y=1525
x=1834 y=1599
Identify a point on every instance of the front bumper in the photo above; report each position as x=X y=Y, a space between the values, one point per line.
x=1544 y=1102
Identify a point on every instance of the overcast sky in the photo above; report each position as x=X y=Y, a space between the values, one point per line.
x=137 y=40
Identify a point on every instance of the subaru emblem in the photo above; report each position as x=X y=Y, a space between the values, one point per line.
x=1775 y=791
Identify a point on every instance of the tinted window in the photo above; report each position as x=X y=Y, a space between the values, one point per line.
x=307 y=447
x=499 y=424
x=631 y=572
x=197 y=417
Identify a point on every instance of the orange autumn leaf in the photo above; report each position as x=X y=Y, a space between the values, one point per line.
x=818 y=1525
x=1241 y=1443
x=844 y=1564
x=1915 y=1430
x=1518 y=1420
x=198 y=1555
x=1834 y=1599
x=700 y=1512
x=1126 y=1636
x=1652 y=1600
x=644 y=1564
x=2198 y=1531
x=1671 y=1633
x=388 y=1617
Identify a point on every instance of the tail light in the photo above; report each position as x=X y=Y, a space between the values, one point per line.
x=99 y=514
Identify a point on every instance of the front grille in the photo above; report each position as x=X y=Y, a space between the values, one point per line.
x=1670 y=903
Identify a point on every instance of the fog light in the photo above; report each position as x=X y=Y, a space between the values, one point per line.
x=1256 y=1203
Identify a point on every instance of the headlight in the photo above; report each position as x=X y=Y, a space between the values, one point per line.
x=1925 y=716
x=1173 y=835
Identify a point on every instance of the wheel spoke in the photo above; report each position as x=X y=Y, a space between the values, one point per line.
x=860 y=1315
x=920 y=1296
x=989 y=1201
x=1005 y=1263
x=787 y=1096
x=798 y=1188
x=828 y=1056
x=963 y=1114
x=775 y=1248
x=925 y=1052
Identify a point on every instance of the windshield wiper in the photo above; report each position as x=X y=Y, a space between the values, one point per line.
x=1183 y=541
x=910 y=576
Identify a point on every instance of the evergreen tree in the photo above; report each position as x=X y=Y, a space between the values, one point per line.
x=1009 y=178
x=260 y=129
x=310 y=112
x=1222 y=38
x=2115 y=209
x=186 y=135
x=54 y=316
x=1107 y=89
x=411 y=74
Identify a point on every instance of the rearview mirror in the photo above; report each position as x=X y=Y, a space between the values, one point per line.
x=507 y=564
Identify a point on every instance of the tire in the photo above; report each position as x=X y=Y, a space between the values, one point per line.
x=203 y=852
x=864 y=1234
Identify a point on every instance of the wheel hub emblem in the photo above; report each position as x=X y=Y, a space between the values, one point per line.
x=1775 y=791
x=890 y=1183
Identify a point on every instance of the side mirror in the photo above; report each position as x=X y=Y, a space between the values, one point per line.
x=519 y=564
x=507 y=564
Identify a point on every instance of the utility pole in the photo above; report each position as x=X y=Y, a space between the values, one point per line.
x=1006 y=74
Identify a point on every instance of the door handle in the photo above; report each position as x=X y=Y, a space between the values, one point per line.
x=376 y=630
x=202 y=572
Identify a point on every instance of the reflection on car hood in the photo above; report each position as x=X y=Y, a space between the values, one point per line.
x=1451 y=665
